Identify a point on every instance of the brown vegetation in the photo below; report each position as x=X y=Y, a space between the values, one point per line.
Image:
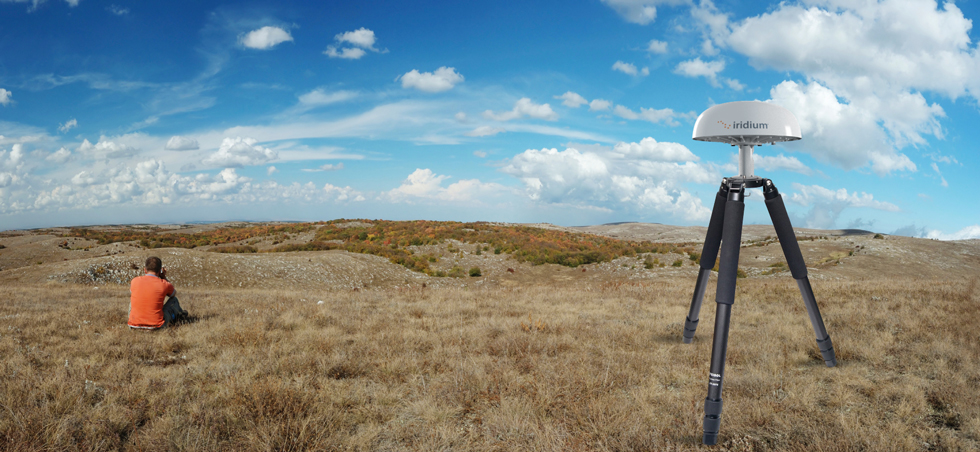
x=527 y=368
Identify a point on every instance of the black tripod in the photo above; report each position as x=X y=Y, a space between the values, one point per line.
x=725 y=231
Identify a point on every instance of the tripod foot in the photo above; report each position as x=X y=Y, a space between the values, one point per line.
x=712 y=421
x=689 y=328
x=827 y=350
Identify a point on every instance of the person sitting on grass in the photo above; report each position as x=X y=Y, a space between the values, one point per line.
x=153 y=303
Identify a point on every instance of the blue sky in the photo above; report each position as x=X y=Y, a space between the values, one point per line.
x=566 y=112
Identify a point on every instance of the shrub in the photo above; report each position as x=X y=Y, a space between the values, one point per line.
x=677 y=263
x=879 y=236
x=475 y=271
x=234 y=249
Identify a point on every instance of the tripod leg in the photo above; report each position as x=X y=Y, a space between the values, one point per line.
x=724 y=297
x=794 y=258
x=709 y=252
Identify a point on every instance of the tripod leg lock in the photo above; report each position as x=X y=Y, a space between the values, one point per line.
x=712 y=421
x=690 y=326
x=827 y=350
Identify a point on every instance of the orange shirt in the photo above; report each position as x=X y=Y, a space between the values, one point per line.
x=146 y=301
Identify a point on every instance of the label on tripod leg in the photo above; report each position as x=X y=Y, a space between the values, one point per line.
x=714 y=379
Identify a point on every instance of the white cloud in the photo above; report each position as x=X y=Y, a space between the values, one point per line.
x=5 y=97
x=443 y=79
x=484 y=131
x=271 y=170
x=321 y=97
x=655 y=46
x=665 y=115
x=942 y=179
x=599 y=105
x=179 y=143
x=460 y=116
x=425 y=184
x=780 y=162
x=114 y=9
x=348 y=53
x=856 y=46
x=480 y=154
x=72 y=3
x=361 y=39
x=572 y=100
x=325 y=167
x=630 y=69
x=60 y=156
x=841 y=134
x=650 y=149
x=699 y=68
x=238 y=152
x=342 y=194
x=524 y=107
x=265 y=37
x=639 y=11
x=68 y=125
x=106 y=149
x=827 y=205
x=967 y=233
x=631 y=176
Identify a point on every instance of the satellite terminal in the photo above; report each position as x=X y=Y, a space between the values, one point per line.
x=746 y=125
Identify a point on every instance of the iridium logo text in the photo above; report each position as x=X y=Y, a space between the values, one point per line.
x=748 y=125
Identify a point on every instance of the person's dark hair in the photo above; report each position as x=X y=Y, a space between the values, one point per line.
x=154 y=264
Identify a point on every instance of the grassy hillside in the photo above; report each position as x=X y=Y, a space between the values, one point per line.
x=526 y=368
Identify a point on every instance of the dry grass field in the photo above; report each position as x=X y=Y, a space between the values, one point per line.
x=542 y=358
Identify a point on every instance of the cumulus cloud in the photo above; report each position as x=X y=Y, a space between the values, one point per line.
x=629 y=69
x=572 y=100
x=342 y=194
x=106 y=149
x=524 y=107
x=484 y=131
x=114 y=9
x=68 y=125
x=599 y=105
x=443 y=79
x=838 y=133
x=655 y=46
x=425 y=184
x=699 y=68
x=5 y=97
x=826 y=205
x=60 y=156
x=362 y=37
x=265 y=38
x=650 y=149
x=271 y=170
x=480 y=154
x=356 y=43
x=179 y=143
x=239 y=152
x=631 y=176
x=967 y=233
x=877 y=57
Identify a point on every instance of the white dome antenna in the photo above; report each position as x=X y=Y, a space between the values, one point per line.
x=747 y=124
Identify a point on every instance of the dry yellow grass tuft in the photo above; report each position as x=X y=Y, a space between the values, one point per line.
x=549 y=367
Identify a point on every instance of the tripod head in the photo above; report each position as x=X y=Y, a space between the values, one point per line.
x=746 y=125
